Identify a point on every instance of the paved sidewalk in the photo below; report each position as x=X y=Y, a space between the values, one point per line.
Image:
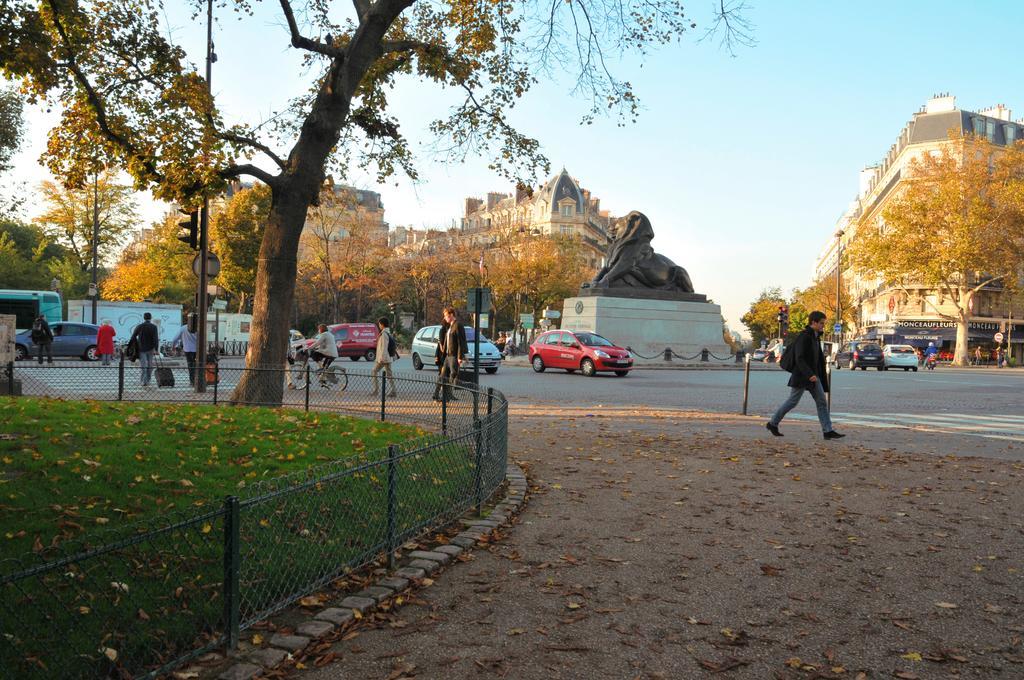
x=665 y=545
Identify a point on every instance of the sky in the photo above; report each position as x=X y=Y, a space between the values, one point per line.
x=743 y=162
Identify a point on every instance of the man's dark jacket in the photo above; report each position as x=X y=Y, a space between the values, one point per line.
x=461 y=347
x=147 y=335
x=809 y=361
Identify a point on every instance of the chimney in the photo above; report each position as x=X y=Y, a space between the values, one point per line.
x=493 y=198
x=472 y=205
x=999 y=112
x=940 y=103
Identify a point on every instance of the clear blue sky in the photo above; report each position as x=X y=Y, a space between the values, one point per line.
x=742 y=163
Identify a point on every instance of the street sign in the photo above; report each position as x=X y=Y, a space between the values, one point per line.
x=485 y=300
x=526 y=320
x=998 y=337
x=838 y=328
x=219 y=304
x=552 y=314
x=886 y=330
x=212 y=265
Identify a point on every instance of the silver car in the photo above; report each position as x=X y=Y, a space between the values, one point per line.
x=69 y=340
x=424 y=347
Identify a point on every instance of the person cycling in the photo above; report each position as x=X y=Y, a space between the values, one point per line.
x=324 y=351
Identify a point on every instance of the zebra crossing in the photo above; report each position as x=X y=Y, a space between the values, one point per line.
x=993 y=426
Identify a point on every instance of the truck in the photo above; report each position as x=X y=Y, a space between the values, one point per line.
x=125 y=316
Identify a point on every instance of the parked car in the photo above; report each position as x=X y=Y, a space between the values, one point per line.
x=860 y=354
x=424 y=347
x=760 y=355
x=588 y=353
x=69 y=340
x=900 y=356
x=355 y=340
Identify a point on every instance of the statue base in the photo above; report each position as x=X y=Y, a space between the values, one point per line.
x=649 y=325
x=642 y=294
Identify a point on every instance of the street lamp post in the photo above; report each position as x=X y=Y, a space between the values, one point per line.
x=839 y=300
x=204 y=229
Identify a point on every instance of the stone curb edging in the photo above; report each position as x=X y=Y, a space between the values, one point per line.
x=417 y=564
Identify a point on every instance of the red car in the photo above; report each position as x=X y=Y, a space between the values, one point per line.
x=580 y=351
x=354 y=340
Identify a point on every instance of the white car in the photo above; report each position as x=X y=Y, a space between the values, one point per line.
x=900 y=356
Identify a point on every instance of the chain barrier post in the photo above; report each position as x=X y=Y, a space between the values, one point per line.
x=120 y=378
x=477 y=477
x=392 y=504
x=746 y=381
x=307 y=387
x=668 y=354
x=232 y=564
x=444 y=409
x=704 y=354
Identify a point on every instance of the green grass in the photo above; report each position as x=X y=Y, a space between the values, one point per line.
x=78 y=475
x=69 y=467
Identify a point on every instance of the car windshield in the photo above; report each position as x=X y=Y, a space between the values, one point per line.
x=470 y=335
x=592 y=340
x=901 y=349
x=868 y=348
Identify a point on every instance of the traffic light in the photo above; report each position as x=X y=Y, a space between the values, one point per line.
x=392 y=307
x=189 y=229
x=783 y=320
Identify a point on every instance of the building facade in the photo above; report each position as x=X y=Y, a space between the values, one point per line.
x=342 y=210
x=559 y=207
x=914 y=314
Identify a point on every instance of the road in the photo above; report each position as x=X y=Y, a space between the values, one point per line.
x=987 y=403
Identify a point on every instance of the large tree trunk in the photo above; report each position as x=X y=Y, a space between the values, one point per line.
x=960 y=351
x=272 y=301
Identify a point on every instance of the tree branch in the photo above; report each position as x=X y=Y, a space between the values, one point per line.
x=234 y=171
x=248 y=141
x=301 y=42
x=94 y=99
x=362 y=7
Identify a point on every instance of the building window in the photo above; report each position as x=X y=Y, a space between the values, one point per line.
x=568 y=211
x=979 y=126
x=567 y=230
x=990 y=130
x=1011 y=133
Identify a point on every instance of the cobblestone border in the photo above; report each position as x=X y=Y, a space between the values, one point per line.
x=415 y=565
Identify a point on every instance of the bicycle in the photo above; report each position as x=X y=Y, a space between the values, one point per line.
x=326 y=374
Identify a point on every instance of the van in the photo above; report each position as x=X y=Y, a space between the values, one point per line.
x=356 y=340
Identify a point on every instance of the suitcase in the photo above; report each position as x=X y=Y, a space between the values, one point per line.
x=164 y=377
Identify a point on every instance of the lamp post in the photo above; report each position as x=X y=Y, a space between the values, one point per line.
x=839 y=300
x=94 y=289
x=204 y=228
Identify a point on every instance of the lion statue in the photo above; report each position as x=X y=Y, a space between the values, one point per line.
x=632 y=262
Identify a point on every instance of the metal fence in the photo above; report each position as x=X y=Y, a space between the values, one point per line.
x=138 y=600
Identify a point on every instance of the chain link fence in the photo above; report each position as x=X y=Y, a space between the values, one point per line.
x=136 y=601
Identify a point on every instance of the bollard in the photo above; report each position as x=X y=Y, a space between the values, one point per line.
x=704 y=354
x=828 y=378
x=477 y=476
x=746 y=382
x=668 y=354
x=10 y=378
x=739 y=357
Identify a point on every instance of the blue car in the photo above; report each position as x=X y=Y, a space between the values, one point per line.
x=69 y=340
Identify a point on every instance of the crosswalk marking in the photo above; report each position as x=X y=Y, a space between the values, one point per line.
x=995 y=426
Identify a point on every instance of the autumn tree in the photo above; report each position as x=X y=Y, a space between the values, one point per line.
x=159 y=267
x=124 y=86
x=762 y=317
x=69 y=213
x=956 y=227
x=235 y=235
x=135 y=280
x=821 y=296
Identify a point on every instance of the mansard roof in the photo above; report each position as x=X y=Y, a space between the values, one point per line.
x=561 y=186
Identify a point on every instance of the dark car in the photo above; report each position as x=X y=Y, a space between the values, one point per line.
x=860 y=354
x=69 y=340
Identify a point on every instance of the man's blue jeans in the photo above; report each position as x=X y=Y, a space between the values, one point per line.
x=146 y=364
x=794 y=398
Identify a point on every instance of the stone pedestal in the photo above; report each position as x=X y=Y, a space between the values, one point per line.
x=650 y=325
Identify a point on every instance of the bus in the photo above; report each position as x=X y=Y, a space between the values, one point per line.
x=26 y=305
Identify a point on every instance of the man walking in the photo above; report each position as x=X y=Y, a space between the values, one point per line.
x=808 y=373
x=186 y=340
x=452 y=346
x=147 y=338
x=384 y=358
x=42 y=337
